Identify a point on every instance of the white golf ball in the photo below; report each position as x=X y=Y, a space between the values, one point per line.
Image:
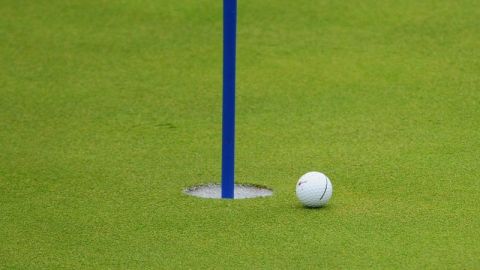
x=314 y=189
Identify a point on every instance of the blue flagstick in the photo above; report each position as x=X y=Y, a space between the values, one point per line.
x=228 y=125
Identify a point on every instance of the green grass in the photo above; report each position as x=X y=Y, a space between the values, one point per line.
x=108 y=109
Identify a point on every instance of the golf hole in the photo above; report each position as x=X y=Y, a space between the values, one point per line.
x=242 y=191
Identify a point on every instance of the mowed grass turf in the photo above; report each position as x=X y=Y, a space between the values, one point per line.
x=109 y=109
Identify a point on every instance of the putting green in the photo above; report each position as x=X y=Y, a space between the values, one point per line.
x=109 y=109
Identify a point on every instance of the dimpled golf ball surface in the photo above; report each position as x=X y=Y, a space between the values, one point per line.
x=314 y=189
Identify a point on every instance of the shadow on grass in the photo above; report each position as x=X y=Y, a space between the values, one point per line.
x=325 y=208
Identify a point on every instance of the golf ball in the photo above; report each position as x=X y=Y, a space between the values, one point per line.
x=314 y=189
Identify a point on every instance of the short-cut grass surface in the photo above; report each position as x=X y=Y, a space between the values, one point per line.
x=109 y=109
